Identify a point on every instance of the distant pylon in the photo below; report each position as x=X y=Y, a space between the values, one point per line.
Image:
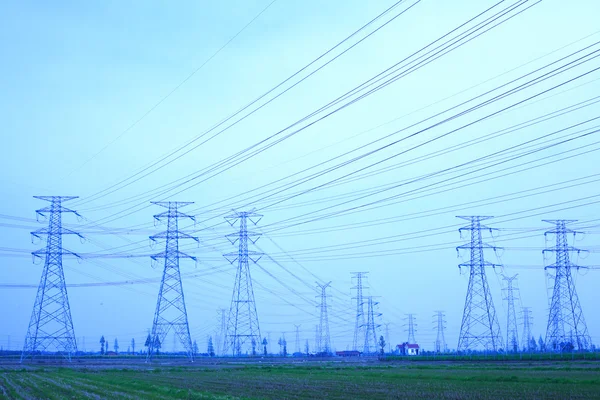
x=370 y=345
x=51 y=327
x=317 y=339
x=527 y=324
x=170 y=306
x=387 y=336
x=566 y=324
x=323 y=338
x=440 y=340
x=243 y=330
x=479 y=325
x=222 y=317
x=298 y=348
x=512 y=329
x=411 y=328
x=359 y=331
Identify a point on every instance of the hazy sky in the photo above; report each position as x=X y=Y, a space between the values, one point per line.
x=88 y=100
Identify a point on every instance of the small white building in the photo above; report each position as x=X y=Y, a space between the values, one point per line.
x=408 y=349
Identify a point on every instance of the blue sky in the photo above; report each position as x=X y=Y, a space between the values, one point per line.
x=77 y=75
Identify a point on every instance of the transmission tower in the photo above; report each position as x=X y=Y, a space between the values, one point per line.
x=323 y=338
x=411 y=328
x=479 y=325
x=243 y=330
x=51 y=327
x=527 y=324
x=222 y=318
x=298 y=348
x=387 y=336
x=512 y=329
x=359 y=331
x=170 y=306
x=370 y=345
x=566 y=324
x=440 y=340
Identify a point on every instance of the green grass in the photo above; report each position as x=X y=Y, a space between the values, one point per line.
x=327 y=380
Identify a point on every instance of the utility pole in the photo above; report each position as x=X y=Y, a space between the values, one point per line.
x=298 y=349
x=566 y=324
x=359 y=332
x=370 y=345
x=51 y=327
x=440 y=340
x=527 y=324
x=170 y=306
x=479 y=325
x=243 y=329
x=512 y=329
x=411 y=328
x=323 y=332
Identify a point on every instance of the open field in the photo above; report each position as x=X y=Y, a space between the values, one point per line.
x=305 y=380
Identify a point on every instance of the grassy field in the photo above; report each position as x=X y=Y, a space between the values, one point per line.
x=332 y=381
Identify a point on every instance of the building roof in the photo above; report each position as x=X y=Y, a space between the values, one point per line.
x=409 y=345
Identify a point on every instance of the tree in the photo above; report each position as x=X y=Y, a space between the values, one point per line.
x=210 y=349
x=264 y=343
x=148 y=343
x=102 y=341
x=284 y=347
x=280 y=343
x=157 y=344
x=116 y=346
x=195 y=348
x=306 y=349
x=133 y=345
x=382 y=343
x=253 y=346
x=541 y=344
x=532 y=344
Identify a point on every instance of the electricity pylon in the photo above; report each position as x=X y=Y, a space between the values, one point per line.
x=512 y=329
x=222 y=318
x=170 y=306
x=243 y=330
x=479 y=325
x=527 y=324
x=298 y=348
x=566 y=325
x=359 y=331
x=370 y=345
x=387 y=336
x=323 y=338
x=51 y=327
x=411 y=328
x=440 y=340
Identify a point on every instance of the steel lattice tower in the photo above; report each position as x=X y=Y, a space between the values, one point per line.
x=512 y=328
x=566 y=324
x=323 y=338
x=222 y=318
x=411 y=328
x=243 y=329
x=527 y=324
x=298 y=348
x=359 y=332
x=387 y=336
x=51 y=327
x=479 y=325
x=370 y=345
x=440 y=340
x=170 y=306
